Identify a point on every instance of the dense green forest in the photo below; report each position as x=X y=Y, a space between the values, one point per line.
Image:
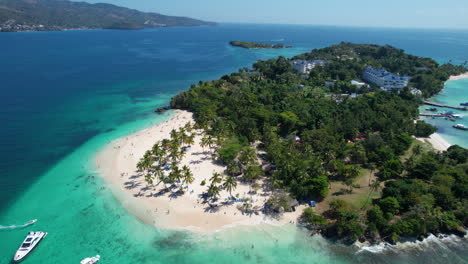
x=255 y=45
x=315 y=134
x=17 y=15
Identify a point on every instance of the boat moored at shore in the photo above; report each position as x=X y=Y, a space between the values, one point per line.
x=460 y=126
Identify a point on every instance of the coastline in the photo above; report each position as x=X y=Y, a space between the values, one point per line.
x=116 y=163
x=437 y=142
x=458 y=77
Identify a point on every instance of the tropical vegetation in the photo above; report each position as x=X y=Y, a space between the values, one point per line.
x=315 y=133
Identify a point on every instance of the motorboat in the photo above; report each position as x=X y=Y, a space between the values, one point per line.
x=464 y=104
x=29 y=243
x=91 y=260
x=460 y=126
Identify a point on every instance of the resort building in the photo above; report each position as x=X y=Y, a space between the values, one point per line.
x=415 y=91
x=304 y=66
x=358 y=84
x=384 y=79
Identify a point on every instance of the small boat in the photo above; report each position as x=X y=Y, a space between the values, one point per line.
x=29 y=243
x=447 y=113
x=432 y=109
x=452 y=119
x=456 y=116
x=460 y=126
x=91 y=260
x=464 y=104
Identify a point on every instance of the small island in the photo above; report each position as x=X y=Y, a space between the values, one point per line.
x=323 y=139
x=255 y=45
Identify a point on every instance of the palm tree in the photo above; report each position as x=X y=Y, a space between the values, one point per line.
x=207 y=140
x=175 y=153
x=149 y=178
x=230 y=184
x=216 y=178
x=190 y=140
x=146 y=162
x=140 y=165
x=187 y=175
x=174 y=134
x=156 y=149
x=188 y=127
x=248 y=156
x=374 y=187
x=213 y=191
x=175 y=174
x=159 y=174
x=159 y=152
x=166 y=143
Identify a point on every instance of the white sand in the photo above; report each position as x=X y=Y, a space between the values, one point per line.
x=117 y=164
x=458 y=77
x=437 y=142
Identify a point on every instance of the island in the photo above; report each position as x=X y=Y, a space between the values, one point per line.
x=255 y=45
x=54 y=15
x=330 y=146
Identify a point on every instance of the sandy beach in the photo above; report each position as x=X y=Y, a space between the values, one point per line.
x=117 y=164
x=437 y=142
x=458 y=77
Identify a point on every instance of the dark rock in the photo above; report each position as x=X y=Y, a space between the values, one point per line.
x=162 y=109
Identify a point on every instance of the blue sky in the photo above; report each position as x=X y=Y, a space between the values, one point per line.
x=390 y=13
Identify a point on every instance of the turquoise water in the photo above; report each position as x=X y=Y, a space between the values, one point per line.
x=454 y=93
x=67 y=94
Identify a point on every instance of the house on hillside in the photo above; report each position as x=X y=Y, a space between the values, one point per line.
x=358 y=84
x=305 y=66
x=384 y=79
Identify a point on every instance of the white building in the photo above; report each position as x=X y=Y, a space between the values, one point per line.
x=304 y=66
x=415 y=91
x=384 y=79
x=358 y=84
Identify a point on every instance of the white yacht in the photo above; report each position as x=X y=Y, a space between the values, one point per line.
x=91 y=260
x=29 y=243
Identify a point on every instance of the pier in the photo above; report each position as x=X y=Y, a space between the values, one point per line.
x=446 y=106
x=434 y=115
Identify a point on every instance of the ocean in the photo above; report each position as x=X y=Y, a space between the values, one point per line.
x=65 y=95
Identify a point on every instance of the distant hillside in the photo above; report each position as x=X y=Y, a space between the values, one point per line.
x=39 y=15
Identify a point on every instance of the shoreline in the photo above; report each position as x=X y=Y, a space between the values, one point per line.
x=116 y=163
x=458 y=77
x=437 y=142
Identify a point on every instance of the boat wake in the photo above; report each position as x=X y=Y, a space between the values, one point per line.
x=12 y=227
x=442 y=241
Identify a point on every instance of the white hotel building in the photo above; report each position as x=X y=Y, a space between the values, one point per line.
x=304 y=66
x=384 y=79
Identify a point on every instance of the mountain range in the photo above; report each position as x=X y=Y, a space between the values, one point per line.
x=46 y=15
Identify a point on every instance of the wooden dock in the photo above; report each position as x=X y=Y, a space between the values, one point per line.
x=433 y=115
x=446 y=106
